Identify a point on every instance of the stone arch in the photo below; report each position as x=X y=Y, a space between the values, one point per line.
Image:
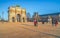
x=18 y=18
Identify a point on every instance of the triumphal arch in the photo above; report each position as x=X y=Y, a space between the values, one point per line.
x=17 y=14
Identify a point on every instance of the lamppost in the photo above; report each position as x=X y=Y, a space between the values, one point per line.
x=2 y=16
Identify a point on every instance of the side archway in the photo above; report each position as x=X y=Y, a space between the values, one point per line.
x=23 y=19
x=13 y=19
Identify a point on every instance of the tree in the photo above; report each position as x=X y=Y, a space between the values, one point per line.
x=28 y=17
x=17 y=5
x=35 y=16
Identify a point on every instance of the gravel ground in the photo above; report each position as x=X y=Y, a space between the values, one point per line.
x=28 y=30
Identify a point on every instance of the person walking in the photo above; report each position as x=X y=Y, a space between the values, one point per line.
x=53 y=21
x=56 y=23
x=43 y=21
x=35 y=22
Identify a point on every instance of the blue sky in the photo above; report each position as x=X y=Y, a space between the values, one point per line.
x=31 y=6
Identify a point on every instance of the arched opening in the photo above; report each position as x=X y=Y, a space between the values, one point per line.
x=18 y=18
x=13 y=19
x=23 y=20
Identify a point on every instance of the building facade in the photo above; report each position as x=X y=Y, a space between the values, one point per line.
x=48 y=17
x=16 y=14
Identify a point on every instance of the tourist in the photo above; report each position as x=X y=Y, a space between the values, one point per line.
x=42 y=21
x=56 y=23
x=53 y=22
x=35 y=22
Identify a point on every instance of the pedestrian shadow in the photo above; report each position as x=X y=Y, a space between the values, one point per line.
x=58 y=37
x=40 y=32
x=27 y=25
x=50 y=34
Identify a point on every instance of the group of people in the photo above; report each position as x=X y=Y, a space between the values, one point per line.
x=54 y=22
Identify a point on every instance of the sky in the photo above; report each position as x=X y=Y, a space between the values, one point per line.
x=31 y=6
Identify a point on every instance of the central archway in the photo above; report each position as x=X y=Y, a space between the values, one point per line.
x=18 y=18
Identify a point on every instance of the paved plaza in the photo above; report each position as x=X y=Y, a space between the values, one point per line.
x=28 y=30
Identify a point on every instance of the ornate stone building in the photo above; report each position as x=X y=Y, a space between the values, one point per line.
x=17 y=14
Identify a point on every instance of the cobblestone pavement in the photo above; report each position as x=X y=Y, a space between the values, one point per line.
x=28 y=30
